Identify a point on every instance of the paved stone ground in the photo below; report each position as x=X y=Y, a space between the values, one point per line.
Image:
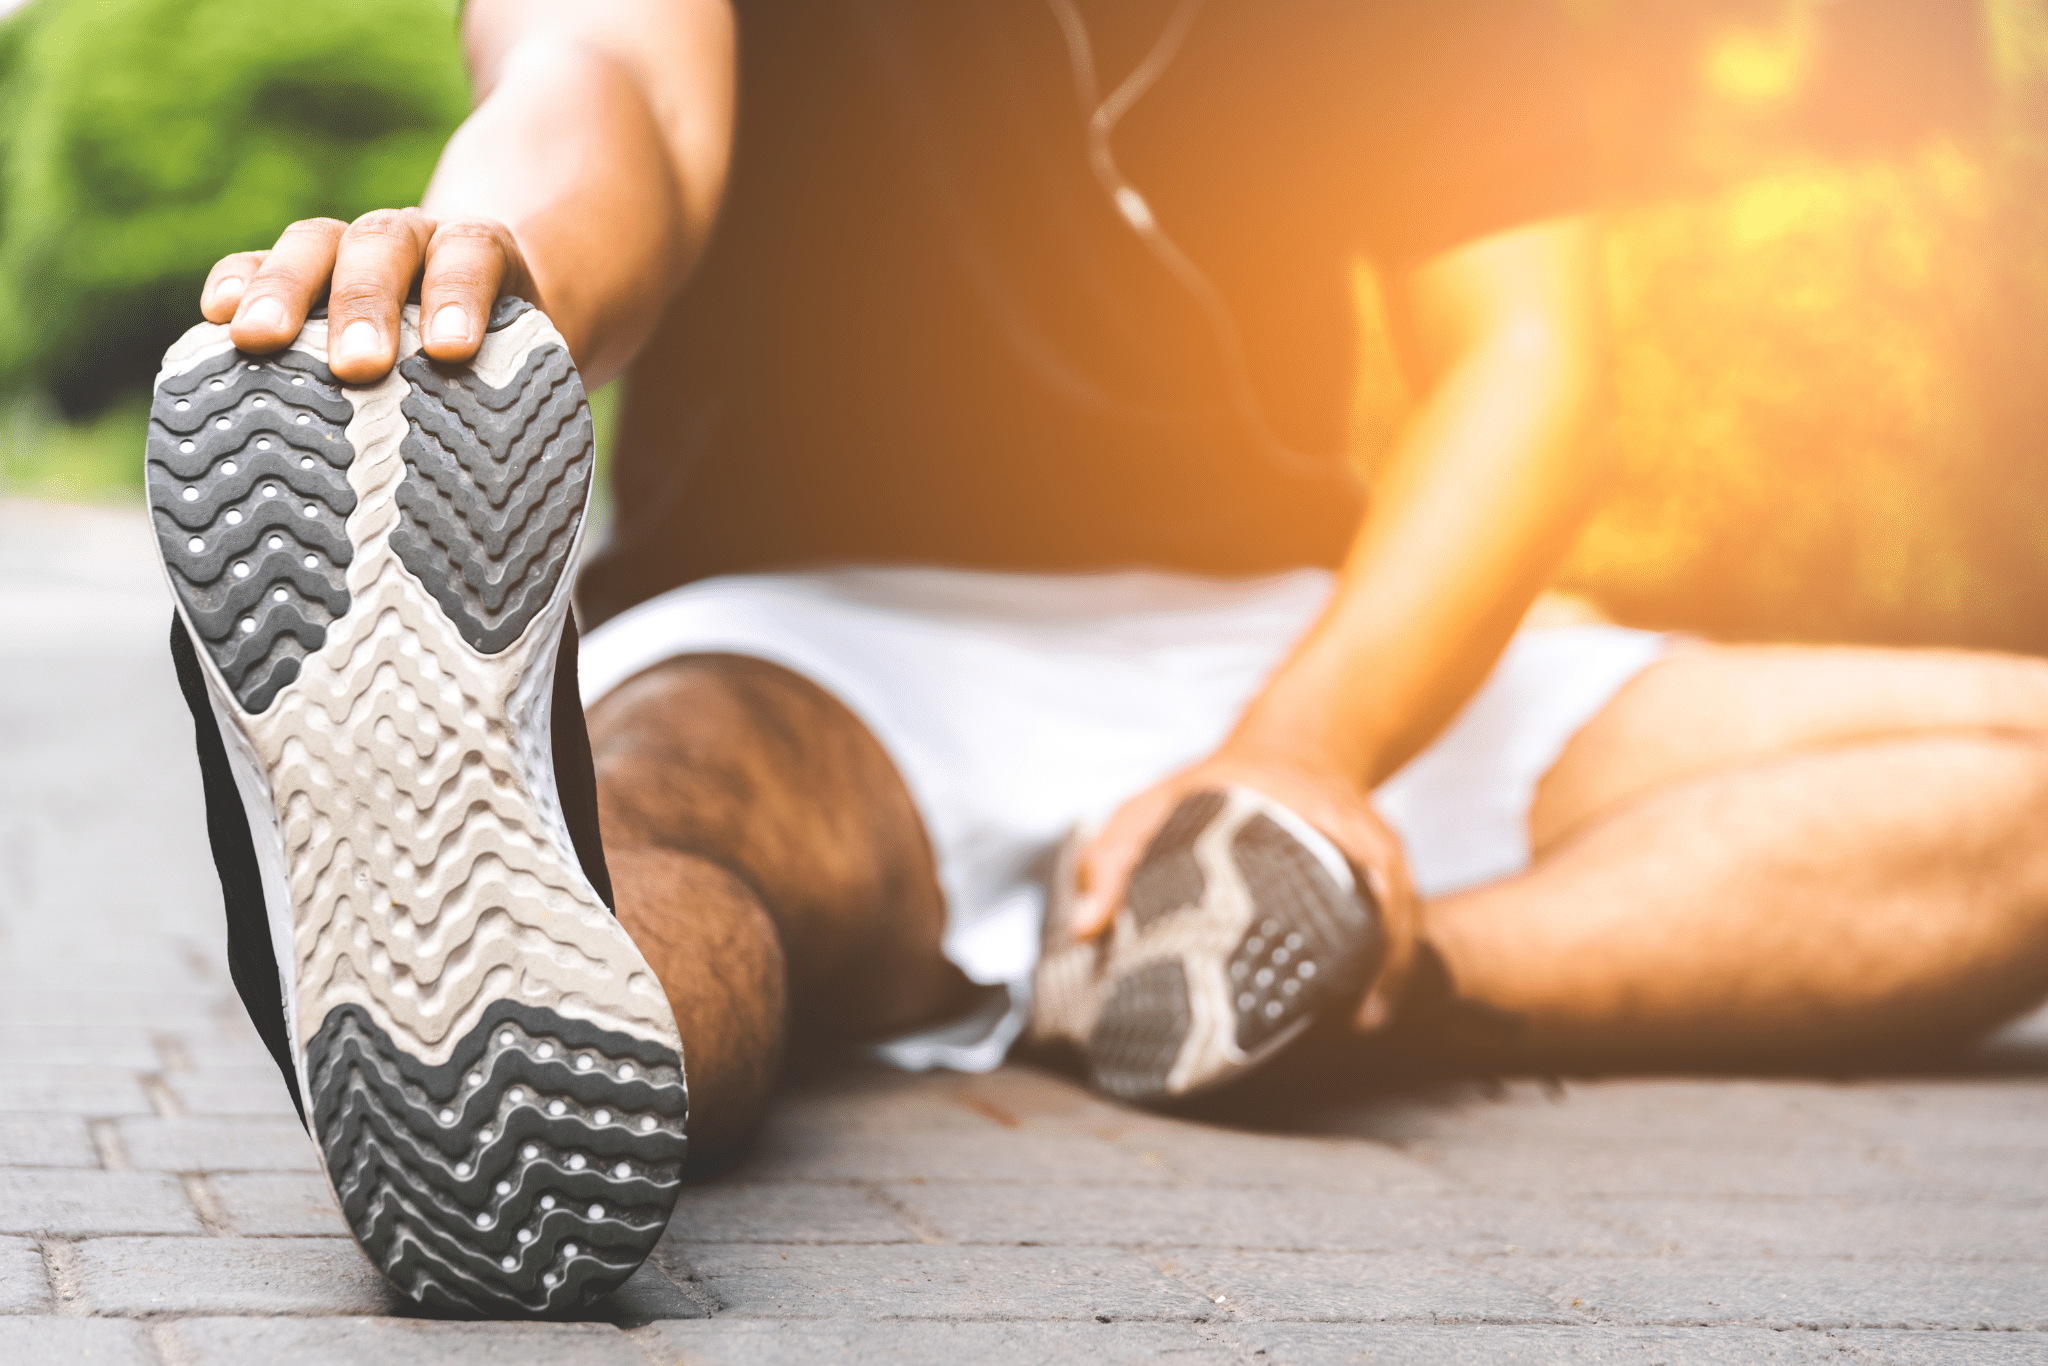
x=158 y=1203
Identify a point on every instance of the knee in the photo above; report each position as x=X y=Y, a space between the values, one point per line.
x=697 y=704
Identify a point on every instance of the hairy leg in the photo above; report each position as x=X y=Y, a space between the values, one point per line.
x=1774 y=854
x=770 y=863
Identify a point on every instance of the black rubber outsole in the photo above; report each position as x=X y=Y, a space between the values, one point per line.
x=530 y=1173
x=247 y=476
x=1311 y=945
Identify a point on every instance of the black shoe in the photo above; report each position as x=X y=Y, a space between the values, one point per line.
x=374 y=633
x=1242 y=925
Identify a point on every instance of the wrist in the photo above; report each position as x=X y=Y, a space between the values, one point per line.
x=1296 y=722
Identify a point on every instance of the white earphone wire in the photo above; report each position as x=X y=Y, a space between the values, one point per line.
x=1132 y=206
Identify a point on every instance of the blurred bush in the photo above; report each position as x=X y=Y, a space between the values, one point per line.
x=1829 y=258
x=1828 y=252
x=142 y=139
x=1831 y=405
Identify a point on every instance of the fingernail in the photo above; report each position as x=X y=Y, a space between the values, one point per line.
x=358 y=340
x=227 y=289
x=264 y=312
x=451 y=324
x=1084 y=914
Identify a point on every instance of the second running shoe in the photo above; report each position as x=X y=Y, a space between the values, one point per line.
x=1241 y=926
x=372 y=587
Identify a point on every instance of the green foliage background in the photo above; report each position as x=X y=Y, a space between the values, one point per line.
x=1831 y=383
x=142 y=139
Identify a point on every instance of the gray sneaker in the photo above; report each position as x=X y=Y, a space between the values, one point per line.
x=373 y=596
x=1243 y=924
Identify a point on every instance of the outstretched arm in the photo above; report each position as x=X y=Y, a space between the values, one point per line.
x=1469 y=517
x=586 y=180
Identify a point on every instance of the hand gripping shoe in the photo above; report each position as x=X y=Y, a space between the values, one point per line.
x=1242 y=925
x=373 y=629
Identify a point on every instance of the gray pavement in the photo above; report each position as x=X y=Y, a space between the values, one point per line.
x=159 y=1204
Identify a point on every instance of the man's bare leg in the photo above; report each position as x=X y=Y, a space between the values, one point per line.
x=1775 y=854
x=769 y=862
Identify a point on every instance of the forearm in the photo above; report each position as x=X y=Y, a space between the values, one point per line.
x=607 y=168
x=1469 y=518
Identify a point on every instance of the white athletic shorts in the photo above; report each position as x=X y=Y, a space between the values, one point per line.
x=1017 y=705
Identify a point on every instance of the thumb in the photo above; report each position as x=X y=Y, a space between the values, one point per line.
x=1105 y=872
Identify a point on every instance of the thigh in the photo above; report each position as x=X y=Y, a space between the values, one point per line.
x=1708 y=708
x=749 y=766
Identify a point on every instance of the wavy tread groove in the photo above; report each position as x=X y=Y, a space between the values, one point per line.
x=246 y=470
x=494 y=489
x=530 y=1173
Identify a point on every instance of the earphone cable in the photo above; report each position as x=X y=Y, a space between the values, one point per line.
x=1132 y=206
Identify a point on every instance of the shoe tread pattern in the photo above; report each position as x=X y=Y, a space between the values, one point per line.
x=531 y=1172
x=494 y=489
x=1139 y=1035
x=247 y=459
x=1310 y=940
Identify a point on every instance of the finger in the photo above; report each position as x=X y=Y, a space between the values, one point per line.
x=1107 y=864
x=466 y=268
x=275 y=303
x=374 y=266
x=226 y=283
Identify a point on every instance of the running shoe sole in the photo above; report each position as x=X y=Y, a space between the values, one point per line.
x=1241 y=926
x=377 y=581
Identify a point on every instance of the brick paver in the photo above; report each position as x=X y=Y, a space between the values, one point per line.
x=160 y=1204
